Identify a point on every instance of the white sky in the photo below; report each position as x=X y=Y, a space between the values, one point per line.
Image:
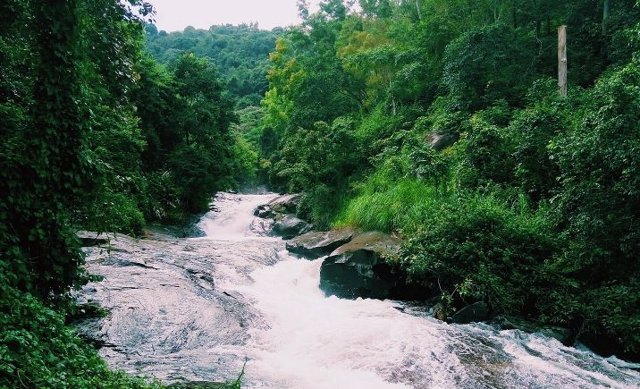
x=175 y=15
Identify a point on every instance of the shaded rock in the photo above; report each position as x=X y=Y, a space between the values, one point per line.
x=471 y=313
x=439 y=312
x=289 y=226
x=315 y=244
x=285 y=204
x=442 y=141
x=505 y=322
x=264 y=211
x=358 y=268
x=91 y=239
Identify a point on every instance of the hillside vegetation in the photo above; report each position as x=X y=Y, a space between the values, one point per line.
x=441 y=121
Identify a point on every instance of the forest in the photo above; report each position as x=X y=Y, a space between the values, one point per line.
x=439 y=121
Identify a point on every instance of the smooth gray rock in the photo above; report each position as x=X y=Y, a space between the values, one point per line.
x=285 y=203
x=316 y=244
x=289 y=226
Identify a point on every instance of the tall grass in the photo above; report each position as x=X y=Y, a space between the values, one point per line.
x=392 y=205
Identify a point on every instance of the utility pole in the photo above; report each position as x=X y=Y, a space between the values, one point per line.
x=562 y=60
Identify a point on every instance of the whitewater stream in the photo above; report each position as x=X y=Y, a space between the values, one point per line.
x=196 y=309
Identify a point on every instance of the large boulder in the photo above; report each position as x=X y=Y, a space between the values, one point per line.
x=285 y=203
x=289 y=226
x=317 y=244
x=358 y=269
x=90 y=239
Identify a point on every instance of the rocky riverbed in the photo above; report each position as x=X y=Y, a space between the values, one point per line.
x=194 y=310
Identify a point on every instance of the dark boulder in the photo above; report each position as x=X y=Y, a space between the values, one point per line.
x=289 y=226
x=471 y=313
x=264 y=211
x=315 y=244
x=358 y=269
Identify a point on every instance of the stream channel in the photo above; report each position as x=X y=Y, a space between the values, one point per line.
x=194 y=310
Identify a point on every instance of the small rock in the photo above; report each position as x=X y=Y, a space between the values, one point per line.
x=264 y=212
x=442 y=141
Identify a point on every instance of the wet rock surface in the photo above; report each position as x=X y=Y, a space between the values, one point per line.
x=189 y=311
x=285 y=204
x=317 y=244
x=358 y=269
x=169 y=314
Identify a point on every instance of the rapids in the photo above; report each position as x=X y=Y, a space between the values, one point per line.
x=196 y=309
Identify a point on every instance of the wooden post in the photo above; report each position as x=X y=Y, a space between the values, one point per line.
x=562 y=60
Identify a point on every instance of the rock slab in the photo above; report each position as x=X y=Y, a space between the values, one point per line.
x=317 y=244
x=289 y=226
x=358 y=269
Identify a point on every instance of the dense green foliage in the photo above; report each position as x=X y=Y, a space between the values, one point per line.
x=440 y=120
x=239 y=52
x=93 y=135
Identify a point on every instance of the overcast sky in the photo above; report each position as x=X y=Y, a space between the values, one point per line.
x=175 y=15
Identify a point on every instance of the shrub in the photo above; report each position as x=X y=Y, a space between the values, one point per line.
x=485 y=156
x=389 y=203
x=477 y=248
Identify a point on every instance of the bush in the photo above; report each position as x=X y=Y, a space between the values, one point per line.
x=387 y=201
x=477 y=248
x=485 y=156
x=116 y=212
x=489 y=63
x=597 y=204
x=535 y=128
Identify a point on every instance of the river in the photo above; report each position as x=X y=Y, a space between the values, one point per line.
x=197 y=309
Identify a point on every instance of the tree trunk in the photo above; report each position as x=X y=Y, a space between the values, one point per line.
x=605 y=15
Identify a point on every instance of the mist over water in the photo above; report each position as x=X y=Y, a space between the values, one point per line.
x=212 y=302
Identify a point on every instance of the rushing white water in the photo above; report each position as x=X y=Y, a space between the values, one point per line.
x=311 y=341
